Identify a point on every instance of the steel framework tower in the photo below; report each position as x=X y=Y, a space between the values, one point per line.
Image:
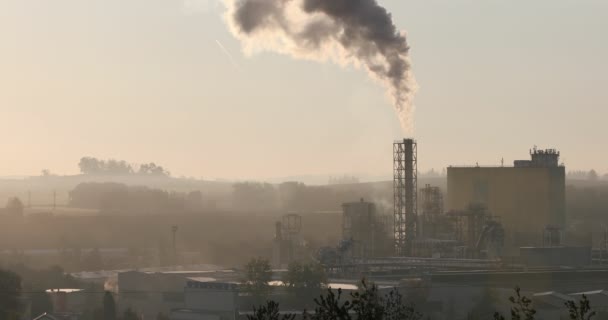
x=405 y=186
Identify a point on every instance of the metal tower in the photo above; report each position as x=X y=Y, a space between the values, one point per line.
x=405 y=186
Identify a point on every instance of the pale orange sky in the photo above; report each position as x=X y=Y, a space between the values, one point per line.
x=145 y=80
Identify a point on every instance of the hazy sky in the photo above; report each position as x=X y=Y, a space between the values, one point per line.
x=147 y=80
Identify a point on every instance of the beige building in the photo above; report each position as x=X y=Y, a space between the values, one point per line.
x=528 y=198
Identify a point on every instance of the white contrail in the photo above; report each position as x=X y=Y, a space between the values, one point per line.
x=227 y=53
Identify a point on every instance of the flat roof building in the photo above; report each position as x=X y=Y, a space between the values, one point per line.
x=528 y=198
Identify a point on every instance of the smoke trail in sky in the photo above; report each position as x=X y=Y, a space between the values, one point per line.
x=348 y=32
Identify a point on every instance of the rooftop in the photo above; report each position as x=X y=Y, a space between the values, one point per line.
x=63 y=290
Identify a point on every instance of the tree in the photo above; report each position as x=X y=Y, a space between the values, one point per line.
x=522 y=308
x=10 y=292
x=485 y=306
x=129 y=315
x=162 y=316
x=40 y=303
x=397 y=309
x=14 y=206
x=582 y=311
x=270 y=311
x=90 y=165
x=592 y=175
x=92 y=261
x=366 y=304
x=331 y=307
x=118 y=167
x=152 y=169
x=113 y=197
x=578 y=174
x=305 y=281
x=35 y=280
x=93 y=166
x=258 y=275
x=252 y=196
x=109 y=306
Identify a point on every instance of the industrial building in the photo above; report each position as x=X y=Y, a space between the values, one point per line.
x=528 y=198
x=366 y=229
x=152 y=293
x=442 y=255
x=490 y=213
x=288 y=244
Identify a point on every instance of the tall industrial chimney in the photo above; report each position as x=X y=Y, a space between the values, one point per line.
x=405 y=184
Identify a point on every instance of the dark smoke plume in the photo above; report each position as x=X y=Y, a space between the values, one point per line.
x=347 y=32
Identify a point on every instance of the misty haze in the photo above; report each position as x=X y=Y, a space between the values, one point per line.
x=303 y=160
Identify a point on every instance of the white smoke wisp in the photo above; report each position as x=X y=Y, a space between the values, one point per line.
x=357 y=33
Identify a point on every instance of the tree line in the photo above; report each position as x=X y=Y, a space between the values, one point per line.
x=590 y=175
x=368 y=303
x=245 y=196
x=111 y=196
x=94 y=166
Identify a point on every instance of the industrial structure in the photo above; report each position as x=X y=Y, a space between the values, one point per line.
x=480 y=233
x=499 y=227
x=288 y=245
x=490 y=213
x=366 y=230
x=529 y=197
x=431 y=211
x=405 y=187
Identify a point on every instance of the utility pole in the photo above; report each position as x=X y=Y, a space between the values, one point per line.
x=603 y=246
x=54 y=200
x=174 y=233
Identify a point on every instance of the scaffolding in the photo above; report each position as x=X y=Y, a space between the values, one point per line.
x=288 y=245
x=405 y=181
x=292 y=226
x=366 y=229
x=432 y=209
x=481 y=233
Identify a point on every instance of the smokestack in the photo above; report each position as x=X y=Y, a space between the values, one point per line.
x=359 y=33
x=405 y=185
